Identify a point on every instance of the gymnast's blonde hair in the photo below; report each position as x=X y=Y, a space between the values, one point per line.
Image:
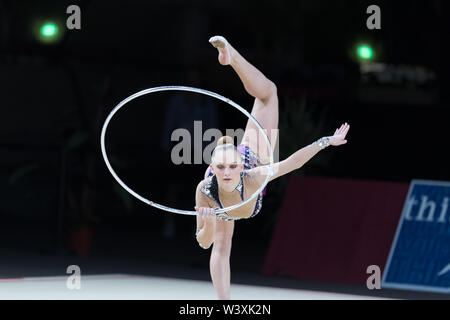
x=225 y=143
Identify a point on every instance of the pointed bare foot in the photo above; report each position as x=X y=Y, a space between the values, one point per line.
x=226 y=51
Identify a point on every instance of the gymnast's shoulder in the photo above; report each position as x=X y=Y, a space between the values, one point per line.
x=200 y=191
x=203 y=197
x=203 y=182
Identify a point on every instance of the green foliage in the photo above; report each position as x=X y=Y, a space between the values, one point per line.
x=21 y=172
x=77 y=139
x=116 y=162
x=300 y=124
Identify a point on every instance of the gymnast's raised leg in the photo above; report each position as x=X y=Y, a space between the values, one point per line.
x=265 y=107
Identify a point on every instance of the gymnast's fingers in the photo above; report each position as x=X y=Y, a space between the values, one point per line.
x=204 y=212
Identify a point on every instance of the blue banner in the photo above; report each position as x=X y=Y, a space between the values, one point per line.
x=420 y=254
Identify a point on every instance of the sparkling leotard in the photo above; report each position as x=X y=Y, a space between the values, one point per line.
x=211 y=189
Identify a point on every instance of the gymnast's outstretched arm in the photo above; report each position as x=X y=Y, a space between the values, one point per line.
x=300 y=157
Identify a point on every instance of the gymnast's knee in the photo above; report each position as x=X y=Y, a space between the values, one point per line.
x=204 y=245
x=271 y=93
x=272 y=89
x=222 y=246
x=202 y=242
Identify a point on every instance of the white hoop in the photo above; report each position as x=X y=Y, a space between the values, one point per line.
x=191 y=89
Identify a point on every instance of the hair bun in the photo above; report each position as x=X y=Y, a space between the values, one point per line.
x=225 y=140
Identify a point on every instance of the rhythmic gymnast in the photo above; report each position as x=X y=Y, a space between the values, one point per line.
x=235 y=173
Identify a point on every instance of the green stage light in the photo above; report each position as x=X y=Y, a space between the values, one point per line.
x=49 y=30
x=365 y=52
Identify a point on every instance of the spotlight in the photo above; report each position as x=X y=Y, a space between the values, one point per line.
x=48 y=31
x=364 y=52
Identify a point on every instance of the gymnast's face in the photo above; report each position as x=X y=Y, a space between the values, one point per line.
x=227 y=165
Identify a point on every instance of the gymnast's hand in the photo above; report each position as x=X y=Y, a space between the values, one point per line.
x=206 y=213
x=339 y=135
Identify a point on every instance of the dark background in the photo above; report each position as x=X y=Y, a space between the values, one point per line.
x=59 y=202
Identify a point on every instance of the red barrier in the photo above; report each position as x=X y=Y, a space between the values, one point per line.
x=331 y=230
